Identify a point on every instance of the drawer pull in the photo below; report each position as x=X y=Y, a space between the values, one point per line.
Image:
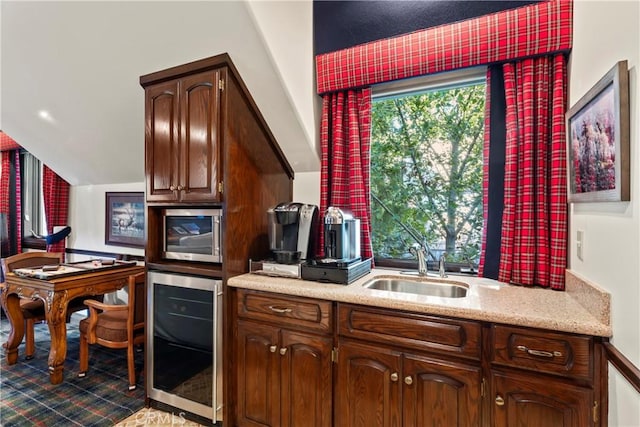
x=280 y=310
x=540 y=353
x=273 y=348
x=499 y=400
x=394 y=377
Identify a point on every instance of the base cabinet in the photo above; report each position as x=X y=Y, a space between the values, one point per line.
x=377 y=386
x=537 y=401
x=402 y=369
x=284 y=359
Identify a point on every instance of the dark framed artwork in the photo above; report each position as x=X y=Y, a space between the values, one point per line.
x=598 y=141
x=124 y=219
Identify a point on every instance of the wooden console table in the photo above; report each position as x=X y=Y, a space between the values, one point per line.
x=56 y=289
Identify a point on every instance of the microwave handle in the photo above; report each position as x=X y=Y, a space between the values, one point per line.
x=217 y=236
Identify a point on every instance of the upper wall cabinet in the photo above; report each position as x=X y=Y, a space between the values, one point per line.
x=182 y=138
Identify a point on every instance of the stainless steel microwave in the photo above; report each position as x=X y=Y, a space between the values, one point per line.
x=192 y=234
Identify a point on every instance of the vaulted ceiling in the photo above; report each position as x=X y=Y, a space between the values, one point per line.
x=69 y=75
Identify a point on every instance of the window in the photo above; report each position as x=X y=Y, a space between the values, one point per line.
x=33 y=217
x=426 y=169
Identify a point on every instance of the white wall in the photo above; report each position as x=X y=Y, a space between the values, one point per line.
x=87 y=218
x=604 y=33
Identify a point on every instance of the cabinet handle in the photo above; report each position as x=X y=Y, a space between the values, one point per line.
x=499 y=400
x=283 y=351
x=280 y=310
x=180 y=188
x=394 y=377
x=273 y=348
x=408 y=380
x=540 y=353
x=172 y=187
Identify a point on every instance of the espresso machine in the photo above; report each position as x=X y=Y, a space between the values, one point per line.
x=342 y=263
x=341 y=236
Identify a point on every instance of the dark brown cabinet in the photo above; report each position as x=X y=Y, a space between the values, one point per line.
x=537 y=401
x=398 y=368
x=284 y=375
x=541 y=378
x=399 y=386
x=207 y=145
x=182 y=132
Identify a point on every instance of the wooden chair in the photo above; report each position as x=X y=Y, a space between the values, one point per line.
x=116 y=326
x=33 y=310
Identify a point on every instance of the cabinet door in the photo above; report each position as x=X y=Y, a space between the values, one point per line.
x=306 y=380
x=529 y=400
x=368 y=386
x=439 y=393
x=161 y=141
x=258 y=375
x=200 y=153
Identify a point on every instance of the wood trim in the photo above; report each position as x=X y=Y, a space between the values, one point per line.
x=122 y=257
x=623 y=365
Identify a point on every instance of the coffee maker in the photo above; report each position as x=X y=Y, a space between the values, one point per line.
x=341 y=236
x=292 y=230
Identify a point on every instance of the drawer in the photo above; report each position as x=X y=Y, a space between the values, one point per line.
x=411 y=330
x=298 y=313
x=543 y=351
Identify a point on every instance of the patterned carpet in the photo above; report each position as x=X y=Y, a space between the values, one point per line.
x=99 y=399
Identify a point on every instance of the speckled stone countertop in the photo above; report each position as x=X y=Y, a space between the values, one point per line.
x=583 y=308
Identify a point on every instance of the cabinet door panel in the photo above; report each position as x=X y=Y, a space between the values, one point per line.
x=306 y=380
x=526 y=400
x=258 y=375
x=439 y=393
x=161 y=135
x=200 y=119
x=368 y=386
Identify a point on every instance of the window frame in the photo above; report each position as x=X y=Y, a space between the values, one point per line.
x=447 y=79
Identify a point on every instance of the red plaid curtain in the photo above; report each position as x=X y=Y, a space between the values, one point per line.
x=345 y=137
x=56 y=204
x=11 y=215
x=534 y=227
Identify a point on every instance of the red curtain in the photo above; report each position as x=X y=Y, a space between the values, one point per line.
x=534 y=226
x=56 y=204
x=345 y=137
x=11 y=215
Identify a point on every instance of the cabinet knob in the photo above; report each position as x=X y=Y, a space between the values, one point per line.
x=180 y=188
x=394 y=377
x=172 y=187
x=499 y=400
x=283 y=351
x=273 y=348
x=408 y=380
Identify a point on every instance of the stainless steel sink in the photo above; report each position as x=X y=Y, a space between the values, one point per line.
x=445 y=289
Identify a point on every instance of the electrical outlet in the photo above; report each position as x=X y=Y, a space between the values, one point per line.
x=580 y=244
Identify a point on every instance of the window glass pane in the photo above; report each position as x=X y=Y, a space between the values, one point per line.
x=426 y=172
x=32 y=199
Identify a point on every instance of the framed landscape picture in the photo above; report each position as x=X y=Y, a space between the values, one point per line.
x=598 y=141
x=124 y=219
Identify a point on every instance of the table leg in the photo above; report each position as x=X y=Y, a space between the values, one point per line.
x=11 y=305
x=56 y=319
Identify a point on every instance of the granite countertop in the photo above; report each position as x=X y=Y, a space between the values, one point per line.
x=583 y=308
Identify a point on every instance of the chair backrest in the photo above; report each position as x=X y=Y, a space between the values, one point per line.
x=137 y=300
x=31 y=259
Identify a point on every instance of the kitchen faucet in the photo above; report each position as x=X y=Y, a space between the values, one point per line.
x=420 y=253
x=442 y=266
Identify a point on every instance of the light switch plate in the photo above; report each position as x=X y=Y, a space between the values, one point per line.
x=580 y=244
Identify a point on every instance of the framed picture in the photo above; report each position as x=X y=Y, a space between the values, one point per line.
x=598 y=141
x=124 y=219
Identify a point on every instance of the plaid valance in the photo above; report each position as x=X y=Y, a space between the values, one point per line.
x=527 y=31
x=7 y=143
